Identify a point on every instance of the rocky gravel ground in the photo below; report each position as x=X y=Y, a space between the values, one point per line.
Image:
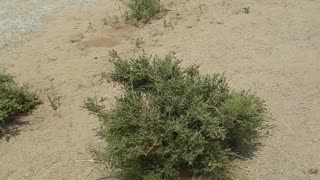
x=16 y=23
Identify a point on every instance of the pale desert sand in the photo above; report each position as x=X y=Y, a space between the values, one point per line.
x=273 y=50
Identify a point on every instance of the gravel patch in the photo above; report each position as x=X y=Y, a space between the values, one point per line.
x=18 y=18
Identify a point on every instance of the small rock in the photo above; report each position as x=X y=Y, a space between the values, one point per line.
x=82 y=46
x=52 y=59
x=313 y=171
x=76 y=38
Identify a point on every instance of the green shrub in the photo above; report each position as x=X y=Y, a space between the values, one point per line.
x=143 y=10
x=13 y=99
x=173 y=122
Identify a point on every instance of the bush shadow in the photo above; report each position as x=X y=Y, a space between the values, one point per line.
x=13 y=127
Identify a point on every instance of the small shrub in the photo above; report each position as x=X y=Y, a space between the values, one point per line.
x=143 y=10
x=246 y=10
x=54 y=98
x=13 y=99
x=172 y=122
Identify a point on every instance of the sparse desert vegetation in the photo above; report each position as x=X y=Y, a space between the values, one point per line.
x=14 y=100
x=161 y=116
x=173 y=122
x=143 y=10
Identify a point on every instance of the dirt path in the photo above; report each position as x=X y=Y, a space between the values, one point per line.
x=271 y=47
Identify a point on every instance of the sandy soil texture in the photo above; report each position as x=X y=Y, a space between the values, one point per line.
x=271 y=47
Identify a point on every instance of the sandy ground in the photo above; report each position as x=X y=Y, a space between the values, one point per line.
x=273 y=50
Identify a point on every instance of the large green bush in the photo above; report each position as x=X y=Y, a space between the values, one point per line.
x=13 y=99
x=143 y=10
x=173 y=122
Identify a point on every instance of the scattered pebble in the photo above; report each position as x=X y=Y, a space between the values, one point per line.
x=76 y=38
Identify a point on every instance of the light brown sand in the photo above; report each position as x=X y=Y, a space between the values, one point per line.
x=274 y=50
